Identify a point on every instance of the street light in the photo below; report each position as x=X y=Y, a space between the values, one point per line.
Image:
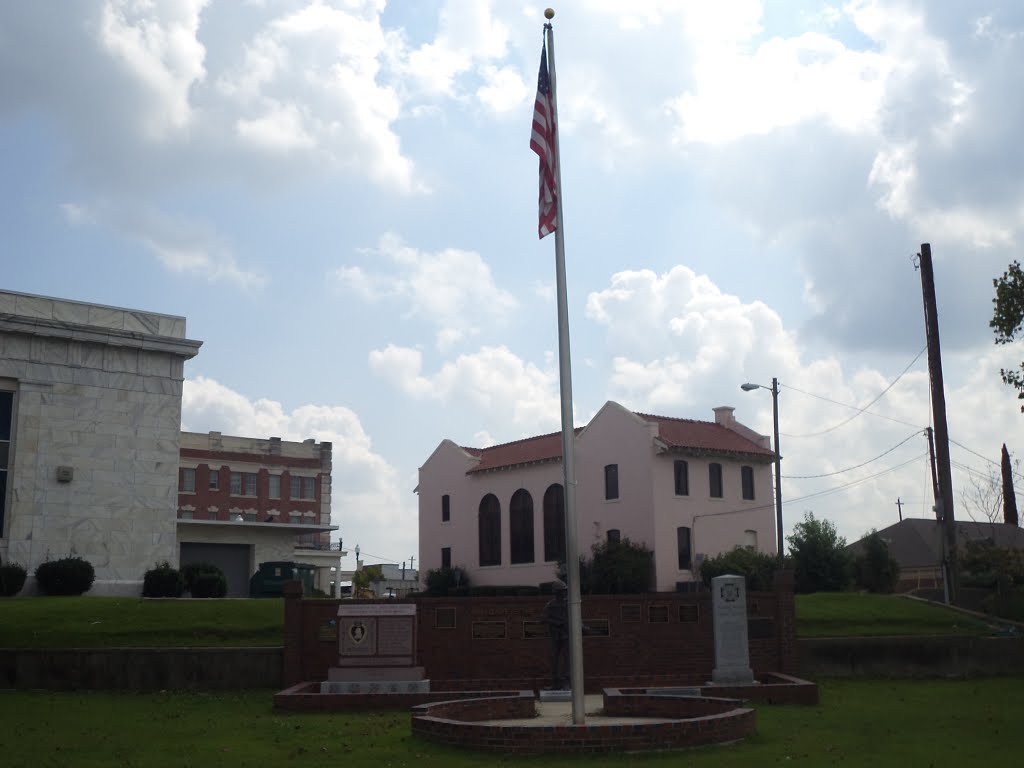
x=774 y=389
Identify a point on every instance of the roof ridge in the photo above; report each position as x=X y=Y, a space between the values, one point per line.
x=521 y=440
x=674 y=418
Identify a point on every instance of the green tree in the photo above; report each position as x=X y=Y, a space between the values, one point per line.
x=820 y=560
x=1008 y=319
x=617 y=567
x=367 y=575
x=758 y=567
x=874 y=568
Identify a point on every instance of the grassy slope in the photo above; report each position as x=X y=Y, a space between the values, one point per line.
x=892 y=723
x=97 y=622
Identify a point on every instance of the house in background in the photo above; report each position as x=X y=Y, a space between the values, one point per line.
x=90 y=421
x=244 y=501
x=916 y=545
x=686 y=489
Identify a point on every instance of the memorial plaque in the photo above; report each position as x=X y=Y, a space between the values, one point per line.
x=596 y=627
x=328 y=632
x=761 y=627
x=394 y=636
x=729 y=611
x=631 y=613
x=490 y=630
x=657 y=614
x=358 y=636
x=689 y=613
x=535 y=630
x=444 y=618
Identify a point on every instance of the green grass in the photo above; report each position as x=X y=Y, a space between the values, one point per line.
x=848 y=614
x=871 y=723
x=113 y=622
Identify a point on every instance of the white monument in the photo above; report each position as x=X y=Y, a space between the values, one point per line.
x=729 y=611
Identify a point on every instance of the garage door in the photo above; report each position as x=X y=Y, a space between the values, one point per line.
x=233 y=559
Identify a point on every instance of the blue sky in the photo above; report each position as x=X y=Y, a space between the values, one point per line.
x=340 y=198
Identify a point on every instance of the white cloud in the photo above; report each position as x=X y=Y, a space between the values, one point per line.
x=453 y=289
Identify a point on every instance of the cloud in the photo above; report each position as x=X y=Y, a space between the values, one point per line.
x=369 y=500
x=510 y=393
x=452 y=289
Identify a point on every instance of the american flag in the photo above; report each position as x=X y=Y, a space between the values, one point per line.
x=543 y=141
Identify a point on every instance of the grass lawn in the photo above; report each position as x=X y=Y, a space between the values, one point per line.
x=112 y=622
x=849 y=614
x=870 y=723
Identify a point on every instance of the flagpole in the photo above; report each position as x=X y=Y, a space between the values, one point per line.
x=572 y=554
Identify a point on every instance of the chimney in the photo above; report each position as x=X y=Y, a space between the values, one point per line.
x=275 y=446
x=723 y=416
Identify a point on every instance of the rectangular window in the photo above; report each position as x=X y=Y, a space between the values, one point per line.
x=214 y=479
x=6 y=433
x=274 y=491
x=611 y=481
x=446 y=557
x=309 y=487
x=295 y=490
x=614 y=536
x=236 y=483
x=188 y=481
x=446 y=508
x=715 y=480
x=747 y=477
x=683 y=546
x=682 y=475
x=250 y=484
x=750 y=539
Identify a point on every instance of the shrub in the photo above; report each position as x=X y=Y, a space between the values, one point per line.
x=441 y=581
x=67 y=576
x=12 y=579
x=617 y=568
x=209 y=584
x=875 y=569
x=190 y=571
x=986 y=562
x=163 y=581
x=820 y=561
x=758 y=567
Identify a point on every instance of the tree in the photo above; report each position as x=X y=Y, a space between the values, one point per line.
x=1009 y=495
x=758 y=567
x=616 y=568
x=874 y=568
x=820 y=561
x=362 y=579
x=1008 y=319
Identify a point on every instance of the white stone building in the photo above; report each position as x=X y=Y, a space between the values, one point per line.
x=90 y=420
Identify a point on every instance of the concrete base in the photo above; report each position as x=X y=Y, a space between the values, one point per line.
x=374 y=674
x=732 y=676
x=358 y=687
x=552 y=695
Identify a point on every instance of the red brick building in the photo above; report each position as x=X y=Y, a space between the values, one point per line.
x=243 y=501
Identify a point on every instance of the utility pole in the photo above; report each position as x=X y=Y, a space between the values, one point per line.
x=945 y=476
x=899 y=506
x=935 y=477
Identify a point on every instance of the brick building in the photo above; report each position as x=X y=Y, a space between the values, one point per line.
x=244 y=501
x=685 y=488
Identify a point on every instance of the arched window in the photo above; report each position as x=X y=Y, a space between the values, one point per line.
x=489 y=521
x=520 y=526
x=554 y=523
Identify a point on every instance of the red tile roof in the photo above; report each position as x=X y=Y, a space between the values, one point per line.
x=675 y=433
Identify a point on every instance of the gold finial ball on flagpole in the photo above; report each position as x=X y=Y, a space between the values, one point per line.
x=549 y=13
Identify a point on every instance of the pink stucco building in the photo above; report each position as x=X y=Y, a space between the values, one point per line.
x=687 y=489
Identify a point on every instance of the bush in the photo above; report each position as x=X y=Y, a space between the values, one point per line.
x=986 y=562
x=12 y=579
x=617 y=568
x=820 y=561
x=441 y=581
x=1009 y=605
x=875 y=569
x=209 y=584
x=163 y=581
x=67 y=576
x=758 y=567
x=191 y=571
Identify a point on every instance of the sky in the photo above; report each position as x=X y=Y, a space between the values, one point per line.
x=340 y=198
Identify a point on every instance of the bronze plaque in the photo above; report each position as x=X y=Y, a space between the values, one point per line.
x=490 y=630
x=535 y=630
x=657 y=614
x=689 y=613
x=328 y=632
x=596 y=628
x=631 y=613
x=444 y=618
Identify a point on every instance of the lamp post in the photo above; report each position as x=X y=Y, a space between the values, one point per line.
x=774 y=389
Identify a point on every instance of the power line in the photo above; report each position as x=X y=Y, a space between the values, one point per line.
x=850 y=469
x=852 y=483
x=860 y=410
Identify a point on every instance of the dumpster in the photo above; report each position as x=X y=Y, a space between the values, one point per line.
x=270 y=578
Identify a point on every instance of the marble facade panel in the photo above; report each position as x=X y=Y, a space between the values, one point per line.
x=49 y=351
x=106 y=317
x=151 y=364
x=13 y=368
x=171 y=326
x=17 y=346
x=71 y=312
x=120 y=360
x=141 y=322
x=33 y=306
x=52 y=374
x=8 y=303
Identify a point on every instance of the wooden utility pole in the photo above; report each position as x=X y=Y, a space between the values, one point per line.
x=899 y=506
x=935 y=475
x=945 y=476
